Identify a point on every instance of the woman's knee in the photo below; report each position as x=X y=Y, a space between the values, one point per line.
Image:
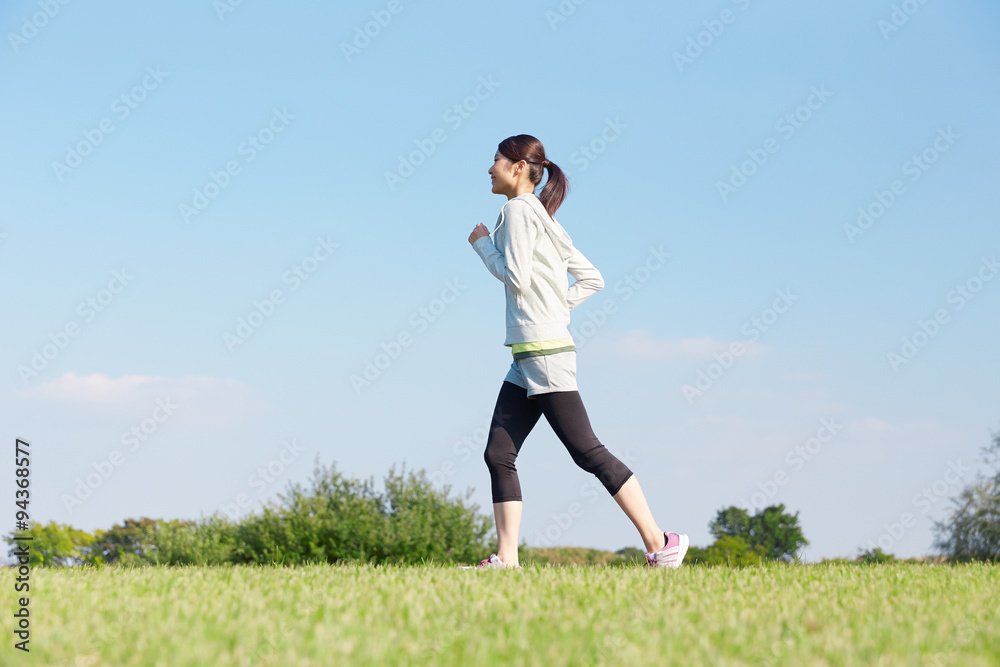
x=499 y=451
x=590 y=454
x=608 y=468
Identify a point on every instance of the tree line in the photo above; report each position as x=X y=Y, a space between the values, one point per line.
x=337 y=519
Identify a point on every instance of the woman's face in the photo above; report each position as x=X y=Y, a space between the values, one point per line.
x=502 y=175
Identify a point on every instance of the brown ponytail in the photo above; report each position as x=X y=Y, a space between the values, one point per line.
x=528 y=148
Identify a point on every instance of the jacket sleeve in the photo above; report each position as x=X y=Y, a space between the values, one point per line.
x=588 y=279
x=511 y=264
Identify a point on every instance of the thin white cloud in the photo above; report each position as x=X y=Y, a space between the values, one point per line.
x=204 y=399
x=93 y=388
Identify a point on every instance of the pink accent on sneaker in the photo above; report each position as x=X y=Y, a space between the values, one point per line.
x=494 y=562
x=672 y=553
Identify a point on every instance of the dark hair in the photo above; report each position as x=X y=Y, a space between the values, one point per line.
x=526 y=147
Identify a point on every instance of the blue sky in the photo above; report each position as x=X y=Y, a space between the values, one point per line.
x=279 y=143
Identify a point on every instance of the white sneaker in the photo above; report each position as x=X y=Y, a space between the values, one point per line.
x=672 y=553
x=492 y=563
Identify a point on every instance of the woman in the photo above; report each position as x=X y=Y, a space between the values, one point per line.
x=531 y=254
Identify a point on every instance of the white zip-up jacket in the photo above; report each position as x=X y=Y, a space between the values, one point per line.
x=530 y=254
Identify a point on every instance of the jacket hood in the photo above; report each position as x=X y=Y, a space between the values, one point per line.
x=560 y=239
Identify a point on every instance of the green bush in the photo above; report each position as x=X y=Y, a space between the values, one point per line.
x=838 y=560
x=629 y=557
x=52 y=544
x=743 y=540
x=338 y=519
x=778 y=533
x=727 y=550
x=333 y=519
x=178 y=542
x=875 y=557
x=125 y=543
x=424 y=525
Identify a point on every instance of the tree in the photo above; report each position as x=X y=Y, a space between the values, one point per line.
x=341 y=519
x=875 y=557
x=53 y=544
x=729 y=550
x=776 y=532
x=731 y=521
x=972 y=531
x=128 y=543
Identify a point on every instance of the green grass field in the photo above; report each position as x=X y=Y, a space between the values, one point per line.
x=829 y=614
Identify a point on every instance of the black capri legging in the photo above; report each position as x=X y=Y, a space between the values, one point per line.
x=514 y=417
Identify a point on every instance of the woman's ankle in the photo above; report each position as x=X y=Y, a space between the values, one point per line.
x=659 y=542
x=509 y=559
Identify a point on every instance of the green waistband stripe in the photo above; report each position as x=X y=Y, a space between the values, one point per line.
x=538 y=347
x=541 y=344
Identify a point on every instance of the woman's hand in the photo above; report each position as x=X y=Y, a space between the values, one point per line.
x=479 y=232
